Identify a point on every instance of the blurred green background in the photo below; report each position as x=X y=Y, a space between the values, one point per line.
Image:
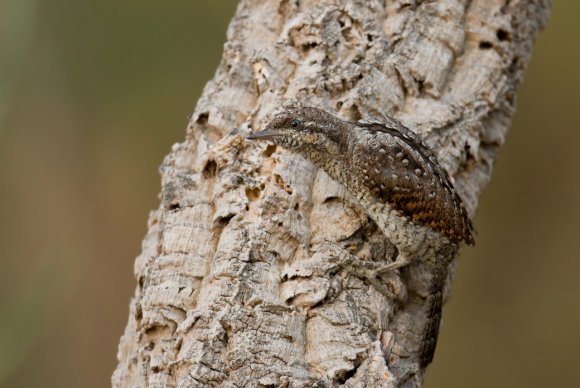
x=93 y=93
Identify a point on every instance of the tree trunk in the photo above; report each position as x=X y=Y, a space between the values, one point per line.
x=239 y=281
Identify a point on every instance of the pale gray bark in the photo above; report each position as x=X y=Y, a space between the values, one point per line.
x=239 y=282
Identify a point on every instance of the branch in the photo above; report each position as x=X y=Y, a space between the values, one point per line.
x=238 y=280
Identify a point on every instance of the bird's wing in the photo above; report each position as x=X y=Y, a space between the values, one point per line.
x=402 y=171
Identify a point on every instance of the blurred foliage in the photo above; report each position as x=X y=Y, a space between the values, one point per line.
x=93 y=94
x=17 y=22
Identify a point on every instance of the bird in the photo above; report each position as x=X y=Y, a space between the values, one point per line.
x=387 y=169
x=394 y=176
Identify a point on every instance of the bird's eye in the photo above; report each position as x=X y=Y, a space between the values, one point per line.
x=295 y=123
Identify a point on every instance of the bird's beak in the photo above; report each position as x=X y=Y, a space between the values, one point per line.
x=266 y=134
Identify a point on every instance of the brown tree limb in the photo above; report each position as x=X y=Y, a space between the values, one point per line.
x=239 y=281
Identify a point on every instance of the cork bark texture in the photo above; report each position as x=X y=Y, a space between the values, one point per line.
x=239 y=281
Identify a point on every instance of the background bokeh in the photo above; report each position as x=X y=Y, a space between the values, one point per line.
x=93 y=93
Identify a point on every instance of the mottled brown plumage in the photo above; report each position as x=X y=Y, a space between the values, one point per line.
x=412 y=180
x=380 y=156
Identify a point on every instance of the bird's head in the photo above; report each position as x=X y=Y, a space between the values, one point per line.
x=307 y=130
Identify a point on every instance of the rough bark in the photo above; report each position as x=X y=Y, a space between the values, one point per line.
x=239 y=282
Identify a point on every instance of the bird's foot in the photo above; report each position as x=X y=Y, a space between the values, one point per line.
x=371 y=273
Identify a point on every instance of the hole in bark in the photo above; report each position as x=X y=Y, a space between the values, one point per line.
x=467 y=149
x=484 y=45
x=226 y=337
x=502 y=35
x=317 y=305
x=339 y=105
x=278 y=179
x=330 y=199
x=174 y=206
x=252 y=193
x=296 y=206
x=345 y=375
x=270 y=149
x=202 y=118
x=355 y=113
x=223 y=221
x=280 y=182
x=420 y=86
x=210 y=169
